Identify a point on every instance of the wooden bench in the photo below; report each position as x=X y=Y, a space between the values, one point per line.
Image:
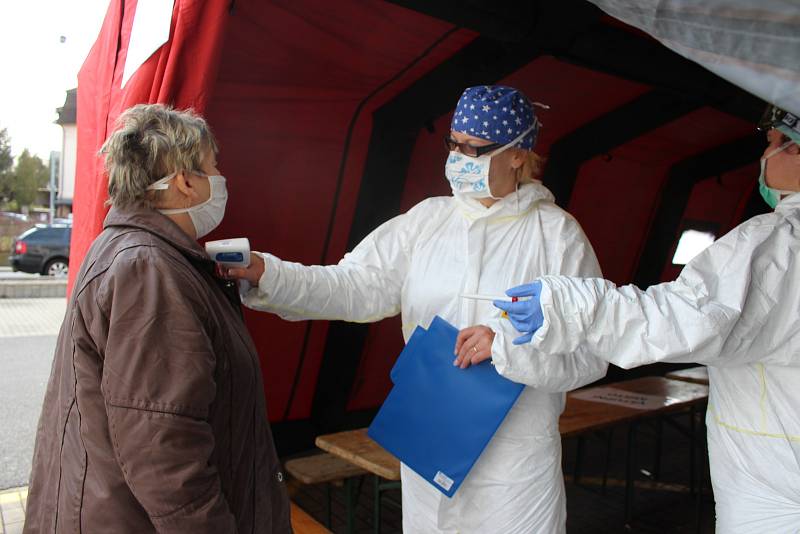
x=302 y=523
x=357 y=447
x=321 y=468
x=330 y=470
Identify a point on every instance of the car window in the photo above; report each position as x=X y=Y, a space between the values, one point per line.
x=27 y=233
x=46 y=234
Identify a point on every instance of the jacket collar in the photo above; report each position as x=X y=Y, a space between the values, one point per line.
x=157 y=224
x=513 y=204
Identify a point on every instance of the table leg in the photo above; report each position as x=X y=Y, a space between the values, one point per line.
x=657 y=459
x=693 y=442
x=630 y=467
x=609 y=443
x=328 y=505
x=578 y=459
x=376 y=520
x=350 y=497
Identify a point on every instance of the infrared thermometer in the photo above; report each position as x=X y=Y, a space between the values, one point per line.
x=230 y=252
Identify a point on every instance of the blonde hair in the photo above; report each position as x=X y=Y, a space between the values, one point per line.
x=531 y=169
x=151 y=142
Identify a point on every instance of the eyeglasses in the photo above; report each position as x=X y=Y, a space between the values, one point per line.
x=469 y=150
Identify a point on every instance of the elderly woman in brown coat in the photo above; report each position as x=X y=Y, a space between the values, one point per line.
x=154 y=417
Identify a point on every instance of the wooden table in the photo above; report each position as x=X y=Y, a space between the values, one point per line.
x=696 y=375
x=357 y=447
x=584 y=416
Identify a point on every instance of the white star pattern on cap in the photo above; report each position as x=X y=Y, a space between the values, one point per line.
x=498 y=114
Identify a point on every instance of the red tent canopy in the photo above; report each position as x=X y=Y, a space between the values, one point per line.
x=330 y=118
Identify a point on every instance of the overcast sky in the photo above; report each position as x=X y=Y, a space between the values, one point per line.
x=37 y=69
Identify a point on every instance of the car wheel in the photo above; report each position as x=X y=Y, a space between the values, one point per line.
x=58 y=268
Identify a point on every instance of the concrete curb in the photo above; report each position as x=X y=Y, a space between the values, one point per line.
x=17 y=289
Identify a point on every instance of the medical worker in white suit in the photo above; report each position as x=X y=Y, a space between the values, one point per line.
x=736 y=308
x=499 y=228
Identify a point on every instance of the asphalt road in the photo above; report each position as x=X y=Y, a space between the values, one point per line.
x=24 y=370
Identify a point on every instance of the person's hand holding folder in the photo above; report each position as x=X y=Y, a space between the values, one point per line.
x=473 y=345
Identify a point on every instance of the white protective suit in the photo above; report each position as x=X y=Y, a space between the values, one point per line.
x=417 y=264
x=736 y=308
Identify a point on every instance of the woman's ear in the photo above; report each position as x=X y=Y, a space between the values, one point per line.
x=184 y=186
x=517 y=158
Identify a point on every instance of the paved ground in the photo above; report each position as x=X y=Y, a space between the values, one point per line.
x=30 y=317
x=28 y=329
x=12 y=510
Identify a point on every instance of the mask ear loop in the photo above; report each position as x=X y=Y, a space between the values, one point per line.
x=536 y=125
x=781 y=148
x=161 y=184
x=502 y=149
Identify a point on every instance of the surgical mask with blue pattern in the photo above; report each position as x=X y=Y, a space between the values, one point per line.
x=469 y=175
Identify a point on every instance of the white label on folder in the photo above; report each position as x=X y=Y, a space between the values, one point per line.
x=443 y=480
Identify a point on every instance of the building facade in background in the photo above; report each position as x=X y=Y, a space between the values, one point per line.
x=67 y=119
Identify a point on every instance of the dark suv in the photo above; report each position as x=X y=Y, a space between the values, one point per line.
x=43 y=249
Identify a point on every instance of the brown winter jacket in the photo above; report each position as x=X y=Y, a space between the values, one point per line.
x=154 y=416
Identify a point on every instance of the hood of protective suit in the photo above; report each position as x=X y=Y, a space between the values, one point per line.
x=515 y=203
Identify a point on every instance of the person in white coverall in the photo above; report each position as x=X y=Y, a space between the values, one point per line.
x=500 y=228
x=736 y=308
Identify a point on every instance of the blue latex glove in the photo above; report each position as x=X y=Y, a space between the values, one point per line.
x=525 y=315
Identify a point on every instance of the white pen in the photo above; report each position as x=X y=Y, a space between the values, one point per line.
x=476 y=296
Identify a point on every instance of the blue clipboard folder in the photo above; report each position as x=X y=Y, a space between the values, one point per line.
x=438 y=418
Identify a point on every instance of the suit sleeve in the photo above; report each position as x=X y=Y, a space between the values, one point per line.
x=158 y=383
x=720 y=311
x=365 y=286
x=522 y=364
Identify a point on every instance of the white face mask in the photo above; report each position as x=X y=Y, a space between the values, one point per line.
x=207 y=215
x=469 y=175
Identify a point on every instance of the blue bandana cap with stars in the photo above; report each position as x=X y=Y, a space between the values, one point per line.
x=496 y=113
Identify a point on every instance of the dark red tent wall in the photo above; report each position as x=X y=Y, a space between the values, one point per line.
x=294 y=116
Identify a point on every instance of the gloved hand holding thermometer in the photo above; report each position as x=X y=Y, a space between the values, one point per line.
x=526 y=315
